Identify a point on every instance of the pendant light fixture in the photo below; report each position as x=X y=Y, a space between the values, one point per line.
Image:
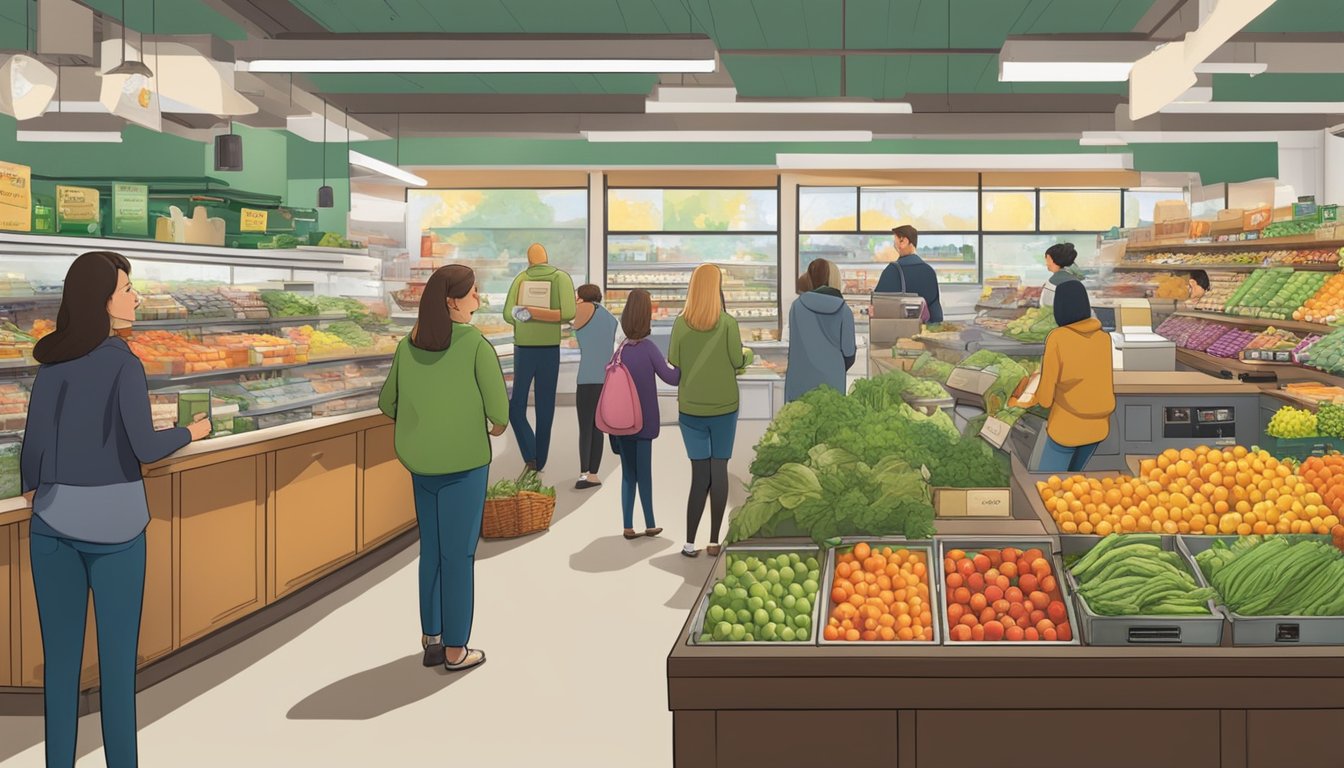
x=229 y=151
x=326 y=196
x=129 y=68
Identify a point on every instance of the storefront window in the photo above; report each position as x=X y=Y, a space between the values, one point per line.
x=931 y=210
x=1078 y=210
x=1139 y=204
x=1024 y=255
x=1008 y=210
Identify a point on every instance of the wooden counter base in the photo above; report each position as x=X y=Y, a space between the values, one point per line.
x=236 y=524
x=971 y=706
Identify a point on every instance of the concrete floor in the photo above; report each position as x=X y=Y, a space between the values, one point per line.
x=576 y=622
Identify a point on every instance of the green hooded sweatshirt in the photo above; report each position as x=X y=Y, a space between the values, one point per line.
x=535 y=333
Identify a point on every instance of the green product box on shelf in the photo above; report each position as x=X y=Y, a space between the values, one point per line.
x=1301 y=448
x=78 y=211
x=44 y=215
x=193 y=405
x=129 y=210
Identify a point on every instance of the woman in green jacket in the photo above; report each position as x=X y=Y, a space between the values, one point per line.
x=707 y=346
x=446 y=391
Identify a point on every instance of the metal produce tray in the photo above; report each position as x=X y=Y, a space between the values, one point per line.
x=1268 y=630
x=720 y=570
x=936 y=606
x=1141 y=630
x=977 y=543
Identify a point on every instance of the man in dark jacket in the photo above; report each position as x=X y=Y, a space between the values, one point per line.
x=911 y=274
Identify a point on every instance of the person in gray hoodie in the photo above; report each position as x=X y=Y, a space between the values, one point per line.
x=821 y=335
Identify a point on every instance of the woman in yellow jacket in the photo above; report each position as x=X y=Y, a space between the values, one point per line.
x=1077 y=383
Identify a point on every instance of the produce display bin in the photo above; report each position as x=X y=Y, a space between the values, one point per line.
x=972 y=544
x=1267 y=630
x=1301 y=448
x=936 y=606
x=1140 y=630
x=720 y=570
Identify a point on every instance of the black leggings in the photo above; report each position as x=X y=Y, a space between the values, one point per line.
x=590 y=438
x=709 y=478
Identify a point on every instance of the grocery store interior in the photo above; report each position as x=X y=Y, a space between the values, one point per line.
x=958 y=528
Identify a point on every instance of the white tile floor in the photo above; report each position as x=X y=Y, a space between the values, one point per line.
x=577 y=624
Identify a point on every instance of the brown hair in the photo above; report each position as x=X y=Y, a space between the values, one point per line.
x=908 y=232
x=433 y=331
x=82 y=322
x=590 y=293
x=804 y=283
x=637 y=317
x=819 y=273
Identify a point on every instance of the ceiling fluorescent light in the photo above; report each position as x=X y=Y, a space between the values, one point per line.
x=1256 y=108
x=72 y=127
x=479 y=66
x=1064 y=71
x=361 y=160
x=1112 y=161
x=727 y=136
x=79 y=137
x=1252 y=68
x=345 y=54
x=1091 y=139
x=653 y=106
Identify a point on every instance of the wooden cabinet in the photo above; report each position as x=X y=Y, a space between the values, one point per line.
x=156 y=617
x=313 y=518
x=220 y=539
x=389 y=503
x=9 y=536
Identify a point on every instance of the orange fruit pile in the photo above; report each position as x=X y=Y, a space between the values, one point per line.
x=1327 y=305
x=880 y=595
x=1203 y=490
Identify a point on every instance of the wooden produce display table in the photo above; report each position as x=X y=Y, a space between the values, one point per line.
x=777 y=704
x=237 y=524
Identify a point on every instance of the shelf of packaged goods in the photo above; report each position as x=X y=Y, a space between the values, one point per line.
x=227 y=372
x=306 y=258
x=1261 y=322
x=1273 y=243
x=1135 y=267
x=1286 y=372
x=672 y=266
x=233 y=322
x=310 y=402
x=43 y=299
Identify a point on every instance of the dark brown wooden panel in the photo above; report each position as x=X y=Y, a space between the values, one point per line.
x=805 y=739
x=1302 y=738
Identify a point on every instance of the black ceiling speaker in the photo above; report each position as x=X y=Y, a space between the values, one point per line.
x=229 y=152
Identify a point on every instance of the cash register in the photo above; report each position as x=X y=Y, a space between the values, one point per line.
x=1135 y=347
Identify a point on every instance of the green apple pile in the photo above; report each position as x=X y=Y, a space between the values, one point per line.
x=763 y=598
x=1295 y=292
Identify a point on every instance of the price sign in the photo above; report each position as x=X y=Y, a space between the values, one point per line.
x=253 y=220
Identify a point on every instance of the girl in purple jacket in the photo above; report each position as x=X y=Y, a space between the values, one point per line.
x=644 y=361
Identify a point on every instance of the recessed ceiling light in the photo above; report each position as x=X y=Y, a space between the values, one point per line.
x=727 y=136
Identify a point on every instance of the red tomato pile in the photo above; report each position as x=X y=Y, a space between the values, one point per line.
x=1004 y=594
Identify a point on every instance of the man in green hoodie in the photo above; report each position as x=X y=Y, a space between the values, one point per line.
x=539 y=301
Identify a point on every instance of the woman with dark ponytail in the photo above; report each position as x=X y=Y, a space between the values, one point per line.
x=89 y=429
x=446 y=392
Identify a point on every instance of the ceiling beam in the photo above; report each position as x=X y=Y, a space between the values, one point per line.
x=268 y=18
x=794 y=52
x=1159 y=16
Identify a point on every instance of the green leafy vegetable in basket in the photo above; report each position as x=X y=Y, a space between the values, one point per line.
x=287 y=304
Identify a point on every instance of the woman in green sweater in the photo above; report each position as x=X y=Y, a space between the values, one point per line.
x=707 y=346
x=446 y=391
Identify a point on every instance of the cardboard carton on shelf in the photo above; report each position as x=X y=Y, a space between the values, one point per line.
x=200 y=229
x=972 y=502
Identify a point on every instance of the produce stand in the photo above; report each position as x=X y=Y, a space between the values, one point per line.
x=788 y=703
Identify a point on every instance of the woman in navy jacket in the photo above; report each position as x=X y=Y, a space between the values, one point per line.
x=89 y=430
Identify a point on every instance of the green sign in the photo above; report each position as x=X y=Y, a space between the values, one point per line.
x=130 y=210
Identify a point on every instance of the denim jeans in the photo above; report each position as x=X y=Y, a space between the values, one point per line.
x=1063 y=458
x=64 y=571
x=636 y=474
x=539 y=365
x=448 y=510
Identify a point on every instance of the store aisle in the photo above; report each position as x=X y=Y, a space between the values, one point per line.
x=576 y=622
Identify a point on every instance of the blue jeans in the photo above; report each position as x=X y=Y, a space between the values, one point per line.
x=63 y=573
x=708 y=437
x=1062 y=458
x=448 y=510
x=542 y=366
x=636 y=472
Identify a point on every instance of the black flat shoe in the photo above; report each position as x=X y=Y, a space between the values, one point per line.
x=584 y=485
x=434 y=655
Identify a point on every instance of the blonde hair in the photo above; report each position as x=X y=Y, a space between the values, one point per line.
x=704 y=303
x=836 y=282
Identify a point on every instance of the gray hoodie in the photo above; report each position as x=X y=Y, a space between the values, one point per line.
x=821 y=339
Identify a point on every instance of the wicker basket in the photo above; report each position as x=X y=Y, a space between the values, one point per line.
x=519 y=515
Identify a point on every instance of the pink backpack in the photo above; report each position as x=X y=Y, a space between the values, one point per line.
x=618 y=408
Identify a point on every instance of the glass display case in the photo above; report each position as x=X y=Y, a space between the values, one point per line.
x=264 y=346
